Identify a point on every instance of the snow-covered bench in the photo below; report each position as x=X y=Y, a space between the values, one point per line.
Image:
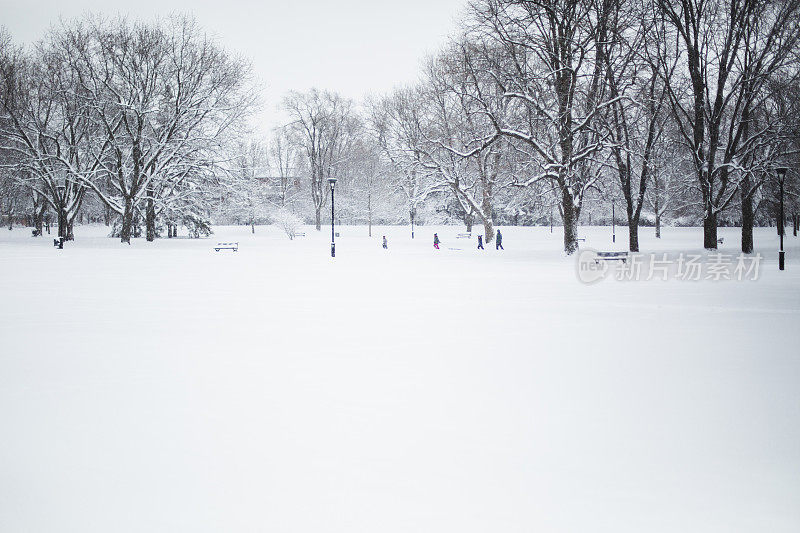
x=611 y=256
x=300 y=234
x=227 y=246
x=464 y=236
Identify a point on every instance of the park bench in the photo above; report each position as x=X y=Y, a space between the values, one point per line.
x=581 y=239
x=227 y=246
x=300 y=234
x=464 y=236
x=611 y=256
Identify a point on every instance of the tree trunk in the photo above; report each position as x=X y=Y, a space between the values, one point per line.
x=412 y=215
x=318 y=218
x=488 y=230
x=369 y=212
x=747 y=215
x=795 y=220
x=658 y=225
x=150 y=217
x=633 y=235
x=710 y=231
x=71 y=230
x=253 y=226
x=468 y=222
x=62 y=222
x=38 y=218
x=569 y=216
x=137 y=226
x=127 y=222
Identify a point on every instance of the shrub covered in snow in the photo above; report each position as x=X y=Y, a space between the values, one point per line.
x=288 y=221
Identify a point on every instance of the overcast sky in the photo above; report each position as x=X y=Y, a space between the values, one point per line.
x=354 y=47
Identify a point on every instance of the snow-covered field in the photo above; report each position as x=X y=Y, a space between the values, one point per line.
x=164 y=387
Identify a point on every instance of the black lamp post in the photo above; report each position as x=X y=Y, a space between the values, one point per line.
x=613 y=222
x=332 y=183
x=781 y=171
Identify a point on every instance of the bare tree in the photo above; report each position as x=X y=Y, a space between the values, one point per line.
x=397 y=124
x=663 y=191
x=162 y=99
x=631 y=43
x=46 y=125
x=369 y=184
x=246 y=185
x=461 y=146
x=542 y=54
x=730 y=48
x=283 y=162
x=323 y=126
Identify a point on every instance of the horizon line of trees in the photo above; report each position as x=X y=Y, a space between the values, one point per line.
x=677 y=111
x=669 y=109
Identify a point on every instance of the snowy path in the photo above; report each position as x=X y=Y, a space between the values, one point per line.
x=166 y=387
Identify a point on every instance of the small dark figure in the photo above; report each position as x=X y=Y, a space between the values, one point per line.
x=385 y=243
x=499 y=241
x=436 y=241
x=480 y=242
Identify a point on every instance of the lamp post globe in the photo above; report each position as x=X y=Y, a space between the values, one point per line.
x=332 y=183
x=781 y=172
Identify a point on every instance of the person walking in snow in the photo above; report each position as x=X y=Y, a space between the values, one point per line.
x=436 y=241
x=385 y=243
x=480 y=242
x=499 y=241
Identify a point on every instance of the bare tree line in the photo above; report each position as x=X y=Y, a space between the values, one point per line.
x=667 y=109
x=137 y=114
x=591 y=99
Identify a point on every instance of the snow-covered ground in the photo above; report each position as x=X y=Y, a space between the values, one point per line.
x=165 y=387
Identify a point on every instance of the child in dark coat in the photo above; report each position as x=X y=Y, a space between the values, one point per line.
x=436 y=241
x=499 y=241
